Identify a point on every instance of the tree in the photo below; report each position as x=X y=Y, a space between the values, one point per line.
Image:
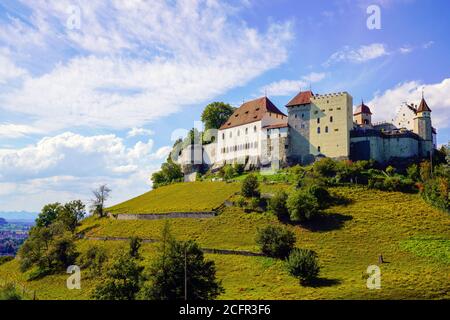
x=277 y=204
x=71 y=214
x=181 y=269
x=8 y=292
x=321 y=194
x=49 y=249
x=48 y=214
x=250 y=187
x=170 y=172
x=303 y=264
x=101 y=194
x=135 y=245
x=216 y=114
x=123 y=280
x=302 y=206
x=275 y=241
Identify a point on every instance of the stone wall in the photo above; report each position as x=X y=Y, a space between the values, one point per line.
x=171 y=215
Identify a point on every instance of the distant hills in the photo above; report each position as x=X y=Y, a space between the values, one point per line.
x=2 y=221
x=18 y=216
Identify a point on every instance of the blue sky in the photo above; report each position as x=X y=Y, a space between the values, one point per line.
x=92 y=91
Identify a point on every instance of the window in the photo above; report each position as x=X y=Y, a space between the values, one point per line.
x=318 y=120
x=318 y=148
x=246 y=130
x=336 y=129
x=239 y=133
x=318 y=130
x=254 y=129
x=339 y=108
x=326 y=129
x=331 y=119
x=295 y=116
x=231 y=134
x=223 y=136
x=303 y=115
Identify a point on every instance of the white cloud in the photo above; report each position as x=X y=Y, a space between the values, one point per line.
x=8 y=69
x=136 y=62
x=385 y=105
x=68 y=166
x=288 y=87
x=362 y=54
x=12 y=131
x=134 y=132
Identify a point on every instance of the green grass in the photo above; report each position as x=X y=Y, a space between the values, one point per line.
x=412 y=236
x=179 y=197
x=432 y=247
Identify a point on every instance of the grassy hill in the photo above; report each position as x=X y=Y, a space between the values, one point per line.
x=413 y=237
x=179 y=197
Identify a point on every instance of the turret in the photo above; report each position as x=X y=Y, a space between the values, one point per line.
x=362 y=115
x=423 y=127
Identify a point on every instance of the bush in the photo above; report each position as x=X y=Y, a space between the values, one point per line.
x=238 y=168
x=228 y=172
x=325 y=167
x=240 y=202
x=9 y=292
x=302 y=206
x=303 y=264
x=254 y=204
x=275 y=241
x=5 y=259
x=94 y=259
x=321 y=194
x=413 y=172
x=250 y=187
x=277 y=205
x=436 y=192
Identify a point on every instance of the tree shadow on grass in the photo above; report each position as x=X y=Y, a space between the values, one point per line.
x=322 y=282
x=327 y=222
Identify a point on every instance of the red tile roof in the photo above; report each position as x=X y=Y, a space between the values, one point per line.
x=423 y=106
x=303 y=97
x=251 y=111
x=276 y=126
x=362 y=109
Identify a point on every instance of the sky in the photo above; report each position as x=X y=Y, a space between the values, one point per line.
x=94 y=92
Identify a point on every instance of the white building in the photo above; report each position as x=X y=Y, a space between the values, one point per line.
x=253 y=135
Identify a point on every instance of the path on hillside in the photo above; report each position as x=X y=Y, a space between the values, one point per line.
x=205 y=250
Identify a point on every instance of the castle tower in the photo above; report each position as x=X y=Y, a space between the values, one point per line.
x=423 y=128
x=362 y=115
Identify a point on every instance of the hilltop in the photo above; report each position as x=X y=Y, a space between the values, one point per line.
x=413 y=237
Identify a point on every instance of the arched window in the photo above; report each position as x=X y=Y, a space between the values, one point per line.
x=223 y=136
x=254 y=129
x=318 y=129
x=318 y=148
x=326 y=129
x=318 y=120
x=331 y=118
x=246 y=130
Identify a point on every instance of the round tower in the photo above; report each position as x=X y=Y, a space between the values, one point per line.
x=423 y=127
x=362 y=115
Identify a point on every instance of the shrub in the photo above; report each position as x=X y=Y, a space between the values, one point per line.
x=239 y=168
x=9 y=292
x=425 y=171
x=303 y=264
x=436 y=192
x=94 y=259
x=228 y=172
x=254 y=204
x=413 y=172
x=390 y=170
x=5 y=259
x=250 y=186
x=325 y=167
x=135 y=245
x=322 y=195
x=240 y=202
x=277 y=205
x=302 y=206
x=275 y=241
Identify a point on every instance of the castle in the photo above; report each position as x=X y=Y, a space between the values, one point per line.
x=259 y=135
